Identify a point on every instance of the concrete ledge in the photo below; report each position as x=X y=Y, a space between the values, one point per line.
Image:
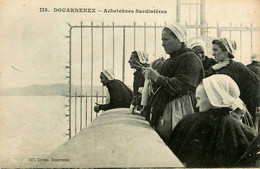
x=114 y=139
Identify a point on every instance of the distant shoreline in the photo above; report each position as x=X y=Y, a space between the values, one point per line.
x=47 y=90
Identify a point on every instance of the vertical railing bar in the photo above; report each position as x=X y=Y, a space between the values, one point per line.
x=144 y=36
x=134 y=35
x=81 y=72
x=75 y=113
x=96 y=102
x=189 y=22
x=92 y=62
x=218 y=31
x=86 y=123
x=207 y=29
x=241 y=46
x=230 y=32
x=70 y=84
x=155 y=40
x=113 y=45
x=190 y=16
x=123 y=72
x=251 y=37
x=197 y=18
x=202 y=16
x=103 y=57
x=165 y=26
x=178 y=10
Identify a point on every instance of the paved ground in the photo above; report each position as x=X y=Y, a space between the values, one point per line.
x=114 y=139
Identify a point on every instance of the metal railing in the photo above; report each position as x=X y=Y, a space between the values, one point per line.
x=94 y=47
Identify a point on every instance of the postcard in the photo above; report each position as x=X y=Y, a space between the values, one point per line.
x=52 y=54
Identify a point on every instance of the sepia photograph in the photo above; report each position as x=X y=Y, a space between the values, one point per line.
x=130 y=83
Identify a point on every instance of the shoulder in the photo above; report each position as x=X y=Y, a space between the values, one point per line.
x=237 y=64
x=114 y=84
x=190 y=57
x=210 y=59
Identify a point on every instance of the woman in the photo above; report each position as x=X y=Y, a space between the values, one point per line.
x=199 y=46
x=176 y=83
x=212 y=137
x=247 y=81
x=120 y=95
x=137 y=61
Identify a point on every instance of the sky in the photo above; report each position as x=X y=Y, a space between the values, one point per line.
x=34 y=50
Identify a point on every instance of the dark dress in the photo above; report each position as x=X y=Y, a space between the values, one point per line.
x=181 y=74
x=247 y=81
x=120 y=95
x=138 y=82
x=207 y=62
x=255 y=67
x=210 y=139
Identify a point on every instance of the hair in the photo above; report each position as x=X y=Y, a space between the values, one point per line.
x=135 y=53
x=220 y=44
x=222 y=47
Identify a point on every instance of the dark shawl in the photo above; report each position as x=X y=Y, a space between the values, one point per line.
x=210 y=139
x=180 y=75
x=120 y=95
x=247 y=81
x=255 y=67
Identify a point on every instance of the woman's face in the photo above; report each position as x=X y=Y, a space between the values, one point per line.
x=218 y=53
x=199 y=51
x=203 y=102
x=103 y=79
x=169 y=42
x=132 y=61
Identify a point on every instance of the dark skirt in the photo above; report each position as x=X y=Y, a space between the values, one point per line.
x=210 y=139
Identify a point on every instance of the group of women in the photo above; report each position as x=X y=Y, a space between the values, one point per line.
x=203 y=110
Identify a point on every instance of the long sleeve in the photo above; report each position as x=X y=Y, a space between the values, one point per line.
x=120 y=96
x=138 y=82
x=189 y=73
x=117 y=97
x=209 y=72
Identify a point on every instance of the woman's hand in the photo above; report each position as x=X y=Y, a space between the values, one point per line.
x=131 y=109
x=140 y=90
x=96 y=108
x=220 y=65
x=151 y=74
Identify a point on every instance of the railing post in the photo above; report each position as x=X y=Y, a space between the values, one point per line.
x=86 y=123
x=241 y=44
x=218 y=31
x=81 y=67
x=145 y=37
x=96 y=102
x=102 y=54
x=178 y=11
x=202 y=16
x=155 y=40
x=123 y=71
x=230 y=25
x=75 y=113
x=92 y=62
x=113 y=28
x=251 y=38
x=70 y=84
x=134 y=34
